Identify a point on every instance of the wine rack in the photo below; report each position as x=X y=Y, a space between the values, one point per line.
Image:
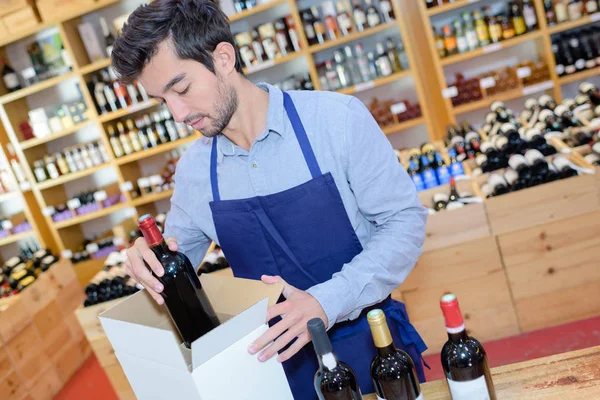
x=541 y=38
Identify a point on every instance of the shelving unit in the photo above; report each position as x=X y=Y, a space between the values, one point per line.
x=64 y=236
x=542 y=38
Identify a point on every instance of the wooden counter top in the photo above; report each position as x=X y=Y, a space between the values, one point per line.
x=573 y=375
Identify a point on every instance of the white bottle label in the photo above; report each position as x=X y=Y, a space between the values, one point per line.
x=488 y=82
x=524 y=72
x=482 y=158
x=74 y=204
x=469 y=390
x=516 y=161
x=126 y=186
x=511 y=176
x=450 y=92
x=496 y=180
x=11 y=80
x=100 y=195
x=398 y=108
x=533 y=155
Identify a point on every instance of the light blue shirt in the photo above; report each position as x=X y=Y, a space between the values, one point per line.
x=379 y=197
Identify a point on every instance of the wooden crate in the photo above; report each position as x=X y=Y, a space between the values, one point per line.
x=451 y=227
x=554 y=271
x=474 y=272
x=41 y=344
x=543 y=204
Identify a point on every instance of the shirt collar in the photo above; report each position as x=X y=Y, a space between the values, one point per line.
x=275 y=121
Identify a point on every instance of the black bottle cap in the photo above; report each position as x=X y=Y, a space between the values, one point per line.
x=320 y=340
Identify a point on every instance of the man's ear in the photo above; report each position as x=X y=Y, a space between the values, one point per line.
x=224 y=58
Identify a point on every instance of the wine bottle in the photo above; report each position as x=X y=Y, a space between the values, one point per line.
x=10 y=78
x=564 y=168
x=520 y=164
x=440 y=201
x=184 y=297
x=539 y=166
x=428 y=173
x=415 y=176
x=498 y=185
x=108 y=36
x=463 y=358
x=334 y=380
x=392 y=370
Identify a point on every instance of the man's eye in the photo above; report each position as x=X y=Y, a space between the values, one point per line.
x=184 y=91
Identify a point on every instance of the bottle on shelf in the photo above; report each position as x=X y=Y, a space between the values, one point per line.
x=529 y=15
x=464 y=359
x=109 y=39
x=331 y=25
x=360 y=17
x=344 y=20
x=334 y=379
x=10 y=77
x=383 y=63
x=387 y=11
x=184 y=297
x=373 y=18
x=392 y=370
x=115 y=142
x=517 y=18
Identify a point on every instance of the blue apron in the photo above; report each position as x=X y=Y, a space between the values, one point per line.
x=304 y=235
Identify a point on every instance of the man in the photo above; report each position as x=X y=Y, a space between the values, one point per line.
x=300 y=188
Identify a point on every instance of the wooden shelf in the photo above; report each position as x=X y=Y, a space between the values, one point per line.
x=565 y=26
x=258 y=9
x=506 y=96
x=449 y=7
x=411 y=123
x=71 y=177
x=38 y=87
x=27 y=144
x=352 y=37
x=375 y=83
x=150 y=198
x=89 y=217
x=127 y=111
x=272 y=63
x=95 y=66
x=491 y=48
x=47 y=24
x=15 y=238
x=8 y=196
x=589 y=73
x=156 y=150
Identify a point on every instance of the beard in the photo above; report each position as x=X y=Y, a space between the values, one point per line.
x=226 y=105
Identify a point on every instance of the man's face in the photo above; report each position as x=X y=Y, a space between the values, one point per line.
x=193 y=94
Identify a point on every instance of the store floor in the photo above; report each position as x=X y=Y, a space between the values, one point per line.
x=91 y=383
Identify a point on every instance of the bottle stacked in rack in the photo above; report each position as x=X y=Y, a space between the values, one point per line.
x=148 y=131
x=296 y=82
x=160 y=182
x=14 y=225
x=576 y=51
x=427 y=168
x=111 y=283
x=71 y=159
x=450 y=200
x=111 y=95
x=19 y=272
x=97 y=248
x=561 y=11
x=340 y=18
x=496 y=82
x=482 y=28
x=354 y=66
x=83 y=203
x=213 y=261
x=389 y=112
x=268 y=41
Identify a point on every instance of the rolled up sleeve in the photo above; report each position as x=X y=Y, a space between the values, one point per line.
x=388 y=200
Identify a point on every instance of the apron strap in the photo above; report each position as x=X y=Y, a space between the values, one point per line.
x=307 y=150
x=214 y=183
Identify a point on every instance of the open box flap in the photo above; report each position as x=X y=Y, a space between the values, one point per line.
x=140 y=327
x=231 y=296
x=228 y=333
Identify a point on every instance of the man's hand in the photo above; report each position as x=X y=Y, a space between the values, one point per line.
x=137 y=269
x=298 y=308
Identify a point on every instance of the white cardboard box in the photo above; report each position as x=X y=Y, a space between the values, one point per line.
x=159 y=366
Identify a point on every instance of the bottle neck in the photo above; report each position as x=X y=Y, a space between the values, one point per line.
x=456 y=335
x=160 y=248
x=387 y=350
x=327 y=361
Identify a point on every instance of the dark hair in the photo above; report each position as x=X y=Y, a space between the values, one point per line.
x=195 y=27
